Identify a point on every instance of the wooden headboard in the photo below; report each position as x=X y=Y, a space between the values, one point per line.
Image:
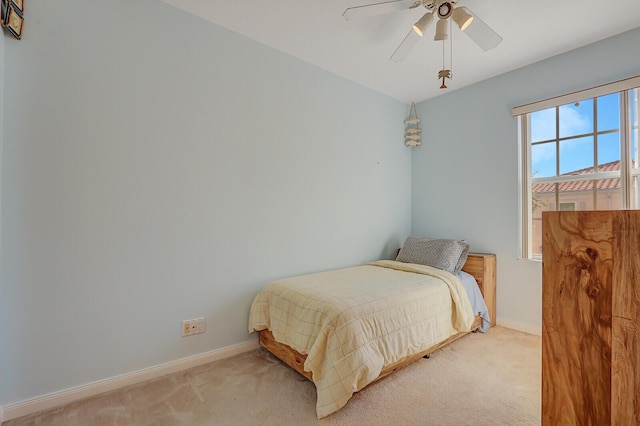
x=483 y=268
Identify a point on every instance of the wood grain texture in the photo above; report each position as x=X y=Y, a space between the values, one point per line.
x=626 y=271
x=480 y=265
x=284 y=352
x=483 y=268
x=625 y=383
x=576 y=318
x=626 y=319
x=590 y=302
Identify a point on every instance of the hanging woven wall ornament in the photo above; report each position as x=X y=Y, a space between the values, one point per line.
x=413 y=132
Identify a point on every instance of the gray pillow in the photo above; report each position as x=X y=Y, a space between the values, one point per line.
x=448 y=255
x=463 y=257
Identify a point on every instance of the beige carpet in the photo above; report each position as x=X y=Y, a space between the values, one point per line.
x=490 y=379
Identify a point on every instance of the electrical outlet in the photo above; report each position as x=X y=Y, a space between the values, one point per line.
x=186 y=328
x=200 y=325
x=193 y=326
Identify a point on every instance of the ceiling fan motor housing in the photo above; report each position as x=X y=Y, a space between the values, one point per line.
x=445 y=9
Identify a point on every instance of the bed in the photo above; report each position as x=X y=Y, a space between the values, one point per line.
x=347 y=328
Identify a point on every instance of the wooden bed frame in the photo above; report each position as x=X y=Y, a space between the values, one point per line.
x=481 y=266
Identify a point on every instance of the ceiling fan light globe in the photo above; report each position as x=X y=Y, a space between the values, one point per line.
x=462 y=17
x=423 y=23
x=442 y=30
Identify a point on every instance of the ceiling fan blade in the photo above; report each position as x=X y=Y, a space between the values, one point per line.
x=482 y=34
x=379 y=8
x=405 y=47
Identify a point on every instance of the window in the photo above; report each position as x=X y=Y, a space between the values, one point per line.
x=567 y=207
x=578 y=152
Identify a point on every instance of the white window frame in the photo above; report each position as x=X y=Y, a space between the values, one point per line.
x=525 y=181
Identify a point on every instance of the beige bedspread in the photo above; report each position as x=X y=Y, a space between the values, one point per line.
x=353 y=322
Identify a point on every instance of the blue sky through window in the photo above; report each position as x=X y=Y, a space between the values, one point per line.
x=574 y=120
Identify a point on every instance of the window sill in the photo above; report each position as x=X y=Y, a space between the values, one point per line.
x=536 y=259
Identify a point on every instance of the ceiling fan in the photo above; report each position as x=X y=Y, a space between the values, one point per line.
x=468 y=22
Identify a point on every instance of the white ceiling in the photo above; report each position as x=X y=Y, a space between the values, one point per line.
x=359 y=50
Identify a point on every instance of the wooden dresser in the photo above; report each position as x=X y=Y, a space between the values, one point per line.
x=591 y=318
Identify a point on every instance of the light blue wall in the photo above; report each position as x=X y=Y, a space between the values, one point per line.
x=159 y=168
x=4 y=317
x=2 y=44
x=465 y=176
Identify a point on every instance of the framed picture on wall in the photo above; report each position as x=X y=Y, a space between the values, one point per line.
x=13 y=21
x=18 y=5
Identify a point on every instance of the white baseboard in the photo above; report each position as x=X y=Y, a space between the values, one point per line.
x=55 y=399
x=514 y=325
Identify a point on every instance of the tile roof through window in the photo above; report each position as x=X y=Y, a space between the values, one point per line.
x=582 y=185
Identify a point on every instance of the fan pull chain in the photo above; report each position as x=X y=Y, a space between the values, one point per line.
x=450 y=51
x=444 y=73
